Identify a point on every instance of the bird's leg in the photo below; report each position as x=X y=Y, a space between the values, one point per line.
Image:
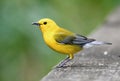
x=62 y=64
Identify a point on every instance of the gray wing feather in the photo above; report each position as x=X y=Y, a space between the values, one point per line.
x=76 y=40
x=82 y=40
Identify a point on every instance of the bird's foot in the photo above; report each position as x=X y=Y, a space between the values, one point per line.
x=63 y=63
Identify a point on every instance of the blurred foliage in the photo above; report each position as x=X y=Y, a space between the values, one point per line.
x=23 y=54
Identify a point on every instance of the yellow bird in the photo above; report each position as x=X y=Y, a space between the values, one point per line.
x=64 y=41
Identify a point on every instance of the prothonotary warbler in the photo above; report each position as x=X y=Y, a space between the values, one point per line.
x=64 y=41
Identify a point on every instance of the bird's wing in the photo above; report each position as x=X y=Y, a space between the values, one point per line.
x=73 y=39
x=82 y=40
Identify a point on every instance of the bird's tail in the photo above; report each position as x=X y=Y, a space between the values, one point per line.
x=95 y=43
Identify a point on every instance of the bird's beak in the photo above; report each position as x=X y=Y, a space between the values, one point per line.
x=36 y=23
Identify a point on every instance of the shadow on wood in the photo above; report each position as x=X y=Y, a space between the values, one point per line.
x=97 y=63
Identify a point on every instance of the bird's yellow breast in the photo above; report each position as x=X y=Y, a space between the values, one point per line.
x=59 y=47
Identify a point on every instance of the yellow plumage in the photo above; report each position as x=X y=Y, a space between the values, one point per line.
x=51 y=32
x=50 y=37
x=62 y=40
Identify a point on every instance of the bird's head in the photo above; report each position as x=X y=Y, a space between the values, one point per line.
x=46 y=24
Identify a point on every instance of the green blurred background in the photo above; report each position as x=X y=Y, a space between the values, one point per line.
x=23 y=54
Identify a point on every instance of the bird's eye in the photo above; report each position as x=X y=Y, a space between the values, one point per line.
x=45 y=23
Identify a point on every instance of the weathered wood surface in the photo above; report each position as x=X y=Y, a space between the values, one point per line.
x=100 y=63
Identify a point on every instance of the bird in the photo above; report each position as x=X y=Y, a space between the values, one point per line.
x=63 y=40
